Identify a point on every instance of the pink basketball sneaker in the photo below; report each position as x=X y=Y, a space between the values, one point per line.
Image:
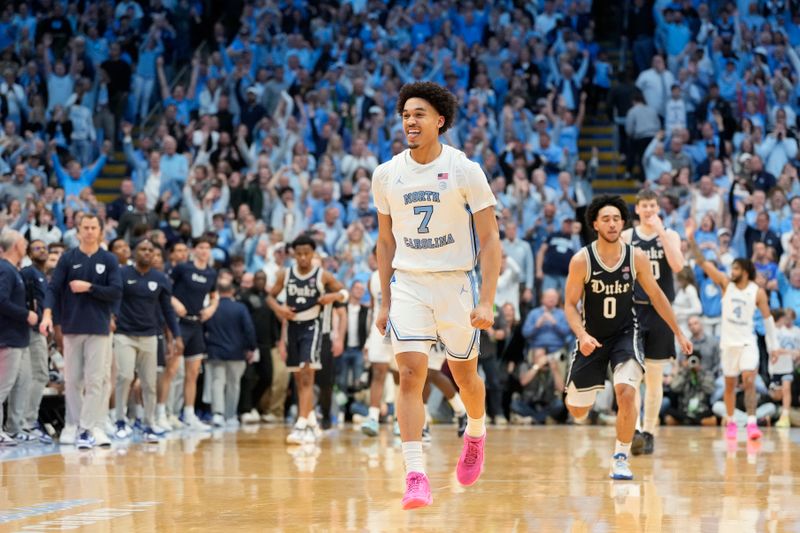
x=470 y=464
x=732 y=430
x=753 y=433
x=418 y=491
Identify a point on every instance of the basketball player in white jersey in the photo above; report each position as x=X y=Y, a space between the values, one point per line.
x=662 y=247
x=738 y=344
x=434 y=206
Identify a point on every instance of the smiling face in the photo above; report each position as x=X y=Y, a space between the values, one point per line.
x=421 y=123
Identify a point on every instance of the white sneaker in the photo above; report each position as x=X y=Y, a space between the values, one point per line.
x=195 y=424
x=162 y=424
x=251 y=417
x=122 y=430
x=218 y=421
x=68 y=434
x=232 y=422
x=296 y=436
x=269 y=418
x=101 y=438
x=7 y=440
x=175 y=422
x=309 y=436
x=620 y=469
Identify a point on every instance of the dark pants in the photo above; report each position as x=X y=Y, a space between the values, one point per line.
x=256 y=380
x=643 y=50
x=494 y=385
x=634 y=157
x=326 y=376
x=540 y=411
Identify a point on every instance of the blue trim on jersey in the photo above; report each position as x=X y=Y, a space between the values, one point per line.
x=473 y=284
x=475 y=336
x=398 y=337
x=473 y=236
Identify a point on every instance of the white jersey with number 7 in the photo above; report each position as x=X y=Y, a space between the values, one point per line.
x=431 y=207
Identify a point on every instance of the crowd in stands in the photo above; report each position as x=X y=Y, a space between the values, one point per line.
x=269 y=125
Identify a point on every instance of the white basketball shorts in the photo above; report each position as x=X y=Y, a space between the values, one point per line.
x=431 y=306
x=378 y=351
x=737 y=359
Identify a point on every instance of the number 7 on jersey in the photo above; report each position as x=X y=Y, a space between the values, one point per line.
x=426 y=211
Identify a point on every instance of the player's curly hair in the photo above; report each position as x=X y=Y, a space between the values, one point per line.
x=442 y=100
x=304 y=240
x=599 y=202
x=746 y=265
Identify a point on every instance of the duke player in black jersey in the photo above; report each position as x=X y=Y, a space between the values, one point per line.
x=305 y=290
x=663 y=249
x=193 y=282
x=601 y=277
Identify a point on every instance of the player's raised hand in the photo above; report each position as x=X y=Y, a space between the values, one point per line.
x=686 y=344
x=482 y=317
x=690 y=226
x=656 y=223
x=588 y=344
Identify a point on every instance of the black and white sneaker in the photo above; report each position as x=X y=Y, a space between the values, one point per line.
x=649 y=443
x=7 y=440
x=462 y=425
x=23 y=437
x=637 y=446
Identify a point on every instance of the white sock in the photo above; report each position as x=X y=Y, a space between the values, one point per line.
x=188 y=412
x=312 y=419
x=412 y=455
x=623 y=448
x=161 y=410
x=374 y=413
x=457 y=405
x=752 y=420
x=301 y=423
x=427 y=415
x=476 y=427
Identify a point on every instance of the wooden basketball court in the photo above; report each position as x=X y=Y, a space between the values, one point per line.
x=544 y=479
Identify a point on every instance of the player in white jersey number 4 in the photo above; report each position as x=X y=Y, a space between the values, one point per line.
x=434 y=205
x=738 y=344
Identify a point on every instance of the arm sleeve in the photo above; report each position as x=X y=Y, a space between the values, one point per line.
x=475 y=187
x=91 y=175
x=59 y=170
x=249 y=329
x=528 y=329
x=113 y=291
x=562 y=327
x=165 y=301
x=528 y=267
x=379 y=190
x=8 y=308
x=59 y=277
